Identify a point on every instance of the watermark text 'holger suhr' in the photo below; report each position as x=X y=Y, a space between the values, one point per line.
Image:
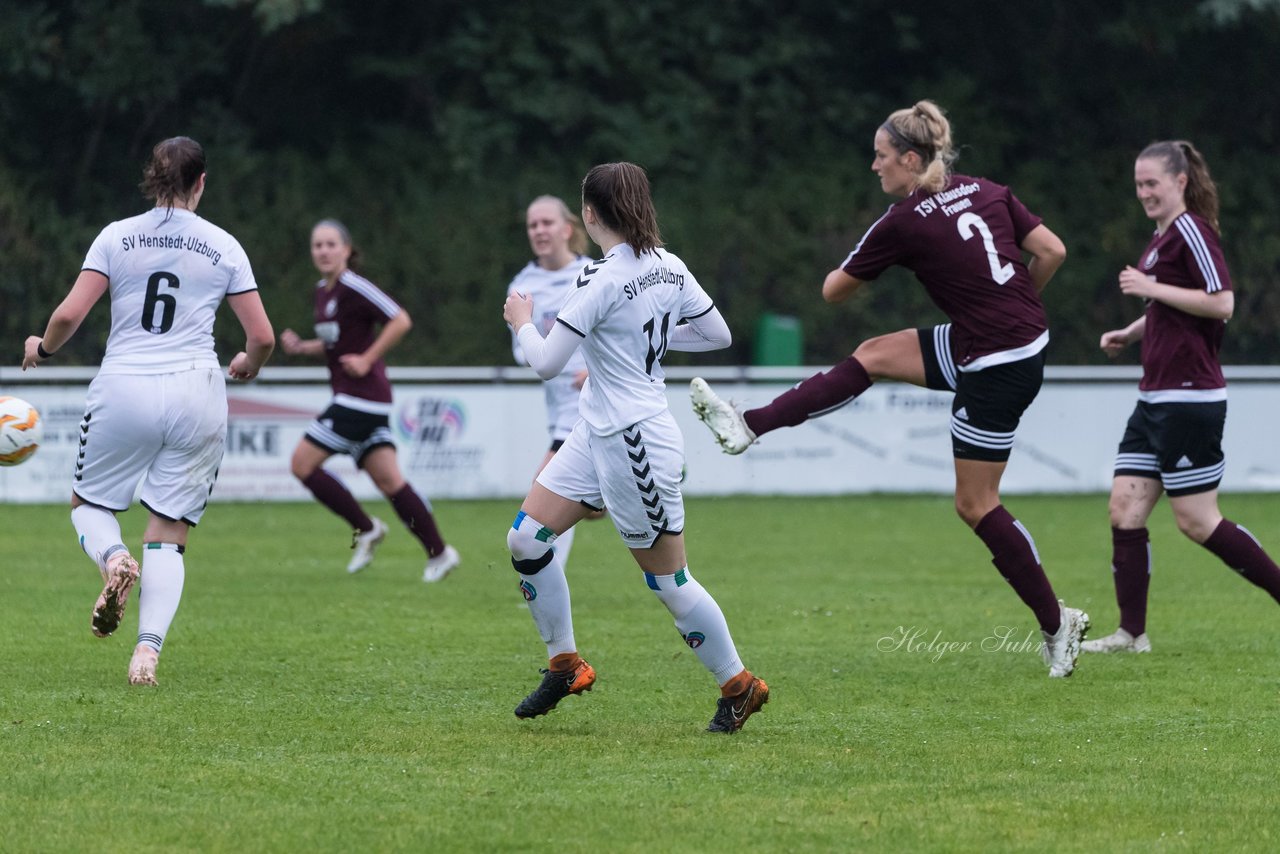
x=917 y=640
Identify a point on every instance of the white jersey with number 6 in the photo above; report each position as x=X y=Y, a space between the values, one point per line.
x=626 y=308
x=168 y=273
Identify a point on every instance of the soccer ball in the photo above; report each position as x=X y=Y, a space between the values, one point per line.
x=20 y=431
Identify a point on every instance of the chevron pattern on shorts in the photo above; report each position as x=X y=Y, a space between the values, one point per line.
x=643 y=473
x=84 y=439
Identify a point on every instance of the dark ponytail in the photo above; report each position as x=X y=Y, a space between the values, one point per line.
x=619 y=195
x=172 y=173
x=1181 y=158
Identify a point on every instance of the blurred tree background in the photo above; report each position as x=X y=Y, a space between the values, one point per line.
x=428 y=126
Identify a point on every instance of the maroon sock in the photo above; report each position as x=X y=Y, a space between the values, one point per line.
x=417 y=517
x=1131 y=572
x=1014 y=554
x=330 y=492
x=818 y=395
x=1239 y=550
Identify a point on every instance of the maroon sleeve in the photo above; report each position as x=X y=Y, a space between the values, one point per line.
x=1024 y=221
x=1205 y=262
x=877 y=251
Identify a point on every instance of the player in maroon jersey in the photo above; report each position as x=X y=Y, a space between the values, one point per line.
x=1173 y=442
x=964 y=238
x=356 y=324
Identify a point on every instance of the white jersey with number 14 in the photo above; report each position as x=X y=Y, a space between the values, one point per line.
x=626 y=307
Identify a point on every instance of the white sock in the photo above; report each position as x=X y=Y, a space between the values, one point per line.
x=700 y=621
x=99 y=532
x=564 y=542
x=545 y=589
x=160 y=591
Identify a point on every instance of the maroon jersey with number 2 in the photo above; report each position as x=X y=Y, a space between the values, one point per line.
x=963 y=244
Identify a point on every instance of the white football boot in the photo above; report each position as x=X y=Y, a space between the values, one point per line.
x=1118 y=641
x=441 y=565
x=726 y=423
x=121 y=575
x=364 y=543
x=1061 y=649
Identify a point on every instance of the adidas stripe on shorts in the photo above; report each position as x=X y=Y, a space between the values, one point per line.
x=1178 y=443
x=344 y=430
x=988 y=404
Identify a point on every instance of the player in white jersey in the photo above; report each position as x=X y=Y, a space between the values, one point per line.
x=626 y=453
x=558 y=242
x=157 y=411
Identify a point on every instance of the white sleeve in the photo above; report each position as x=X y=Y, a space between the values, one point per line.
x=707 y=332
x=242 y=280
x=98 y=258
x=549 y=355
x=517 y=351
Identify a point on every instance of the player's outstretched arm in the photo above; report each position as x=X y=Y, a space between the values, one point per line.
x=838 y=286
x=260 y=338
x=66 y=318
x=699 y=334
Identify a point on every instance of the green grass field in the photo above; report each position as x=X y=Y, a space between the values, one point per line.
x=302 y=709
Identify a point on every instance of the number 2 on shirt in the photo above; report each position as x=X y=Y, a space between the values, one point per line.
x=969 y=223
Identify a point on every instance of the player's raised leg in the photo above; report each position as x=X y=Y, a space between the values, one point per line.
x=896 y=355
x=99 y=533
x=119 y=435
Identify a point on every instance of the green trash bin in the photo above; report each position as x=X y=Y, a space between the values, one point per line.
x=778 y=340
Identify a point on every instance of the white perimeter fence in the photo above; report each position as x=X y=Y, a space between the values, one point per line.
x=480 y=433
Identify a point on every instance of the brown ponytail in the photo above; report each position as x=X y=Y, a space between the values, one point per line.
x=176 y=165
x=619 y=195
x=1181 y=158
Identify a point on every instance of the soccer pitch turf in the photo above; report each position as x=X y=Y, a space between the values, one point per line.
x=300 y=708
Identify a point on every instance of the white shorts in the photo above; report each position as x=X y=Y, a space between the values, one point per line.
x=562 y=406
x=635 y=474
x=166 y=430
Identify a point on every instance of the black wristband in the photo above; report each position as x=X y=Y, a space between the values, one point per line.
x=42 y=352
